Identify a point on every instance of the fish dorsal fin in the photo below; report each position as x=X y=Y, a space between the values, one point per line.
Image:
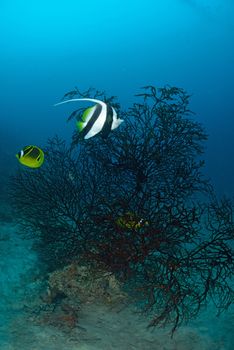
x=103 y=104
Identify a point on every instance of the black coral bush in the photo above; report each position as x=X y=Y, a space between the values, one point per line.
x=138 y=205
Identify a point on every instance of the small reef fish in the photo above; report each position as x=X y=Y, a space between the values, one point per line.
x=100 y=118
x=130 y=221
x=31 y=156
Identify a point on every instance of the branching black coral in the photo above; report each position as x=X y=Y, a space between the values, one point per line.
x=137 y=205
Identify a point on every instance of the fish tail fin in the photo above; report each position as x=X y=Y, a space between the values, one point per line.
x=116 y=123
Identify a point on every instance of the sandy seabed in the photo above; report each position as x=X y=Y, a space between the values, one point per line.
x=99 y=326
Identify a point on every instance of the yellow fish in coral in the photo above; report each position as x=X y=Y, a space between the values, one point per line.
x=130 y=221
x=31 y=156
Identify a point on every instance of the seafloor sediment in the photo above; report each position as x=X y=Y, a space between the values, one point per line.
x=99 y=326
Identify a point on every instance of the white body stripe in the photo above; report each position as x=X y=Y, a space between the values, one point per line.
x=99 y=123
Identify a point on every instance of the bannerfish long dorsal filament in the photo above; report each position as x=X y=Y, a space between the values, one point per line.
x=100 y=118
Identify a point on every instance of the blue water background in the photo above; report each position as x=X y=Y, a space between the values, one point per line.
x=49 y=47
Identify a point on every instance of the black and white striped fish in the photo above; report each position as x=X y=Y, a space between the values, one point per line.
x=101 y=118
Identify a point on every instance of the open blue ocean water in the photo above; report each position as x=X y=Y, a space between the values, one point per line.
x=48 y=48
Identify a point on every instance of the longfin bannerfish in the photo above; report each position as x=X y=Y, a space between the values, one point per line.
x=100 y=118
x=31 y=156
